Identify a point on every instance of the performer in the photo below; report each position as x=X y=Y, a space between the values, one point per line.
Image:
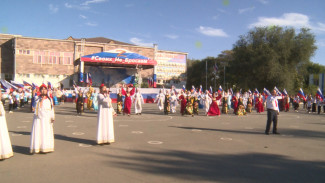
x=183 y=102
x=119 y=102
x=214 y=109
x=319 y=104
x=105 y=130
x=80 y=103
x=42 y=136
x=272 y=112
x=314 y=101
x=195 y=104
x=5 y=144
x=89 y=98
x=259 y=104
x=127 y=101
x=138 y=101
x=160 y=99
x=206 y=101
x=234 y=101
x=241 y=108
x=309 y=103
x=224 y=109
x=189 y=104
x=173 y=102
x=95 y=100
x=11 y=101
x=249 y=105
x=296 y=102
x=166 y=103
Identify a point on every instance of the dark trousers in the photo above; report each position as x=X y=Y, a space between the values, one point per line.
x=272 y=116
x=319 y=109
x=21 y=102
x=11 y=107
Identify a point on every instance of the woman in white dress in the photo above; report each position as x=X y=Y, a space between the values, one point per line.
x=160 y=99
x=105 y=131
x=173 y=101
x=206 y=100
x=42 y=136
x=138 y=101
x=5 y=144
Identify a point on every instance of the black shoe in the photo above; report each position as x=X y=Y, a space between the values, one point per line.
x=267 y=133
x=276 y=133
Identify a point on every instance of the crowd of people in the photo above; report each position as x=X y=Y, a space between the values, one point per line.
x=43 y=99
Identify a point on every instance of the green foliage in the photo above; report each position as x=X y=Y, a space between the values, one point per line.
x=272 y=57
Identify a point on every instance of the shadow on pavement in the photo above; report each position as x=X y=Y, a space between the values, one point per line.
x=248 y=167
x=218 y=130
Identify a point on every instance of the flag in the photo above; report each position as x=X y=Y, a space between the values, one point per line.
x=277 y=91
x=74 y=83
x=231 y=92
x=183 y=88
x=256 y=92
x=200 y=89
x=193 y=89
x=26 y=83
x=34 y=85
x=266 y=92
x=11 y=85
x=89 y=78
x=220 y=89
x=301 y=94
x=285 y=93
x=210 y=90
x=49 y=85
x=4 y=84
x=19 y=85
x=319 y=94
x=215 y=68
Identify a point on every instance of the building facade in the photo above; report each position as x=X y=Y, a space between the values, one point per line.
x=57 y=61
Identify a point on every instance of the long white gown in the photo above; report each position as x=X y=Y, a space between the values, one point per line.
x=160 y=100
x=42 y=136
x=105 y=131
x=138 y=101
x=206 y=101
x=5 y=144
x=173 y=103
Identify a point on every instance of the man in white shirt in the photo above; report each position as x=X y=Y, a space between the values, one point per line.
x=272 y=106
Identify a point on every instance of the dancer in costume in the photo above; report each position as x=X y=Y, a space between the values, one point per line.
x=5 y=144
x=80 y=103
x=127 y=101
x=95 y=100
x=138 y=101
x=166 y=103
x=206 y=101
x=160 y=99
x=182 y=100
x=173 y=102
x=195 y=104
x=214 y=109
x=241 y=107
x=119 y=103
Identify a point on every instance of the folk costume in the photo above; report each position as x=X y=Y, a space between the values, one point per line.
x=206 y=101
x=214 y=109
x=105 y=130
x=127 y=101
x=80 y=103
x=234 y=101
x=189 y=105
x=94 y=97
x=89 y=98
x=286 y=103
x=42 y=136
x=119 y=102
x=173 y=102
x=138 y=101
x=241 y=108
x=160 y=99
x=224 y=109
x=5 y=144
x=166 y=104
x=182 y=100
x=259 y=104
x=195 y=104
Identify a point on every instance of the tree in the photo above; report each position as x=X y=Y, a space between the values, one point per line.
x=268 y=57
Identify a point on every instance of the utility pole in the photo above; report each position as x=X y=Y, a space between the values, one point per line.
x=206 y=75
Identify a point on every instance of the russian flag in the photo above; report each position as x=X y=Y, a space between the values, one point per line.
x=320 y=94
x=215 y=68
x=17 y=84
x=89 y=79
x=301 y=94
x=266 y=92
x=220 y=89
x=285 y=93
x=26 y=83
x=256 y=92
x=34 y=85
x=200 y=89
x=183 y=88
x=277 y=91
x=193 y=89
x=49 y=85
x=210 y=90
x=231 y=92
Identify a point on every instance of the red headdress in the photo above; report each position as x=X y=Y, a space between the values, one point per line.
x=101 y=86
x=42 y=86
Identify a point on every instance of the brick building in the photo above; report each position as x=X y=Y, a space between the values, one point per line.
x=58 y=61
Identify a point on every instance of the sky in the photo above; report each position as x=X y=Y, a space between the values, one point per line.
x=200 y=28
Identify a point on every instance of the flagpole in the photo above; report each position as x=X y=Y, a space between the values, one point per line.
x=215 y=78
x=206 y=74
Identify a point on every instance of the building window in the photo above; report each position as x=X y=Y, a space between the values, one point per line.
x=67 y=58
x=24 y=52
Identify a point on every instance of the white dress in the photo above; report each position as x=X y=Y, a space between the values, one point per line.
x=42 y=136
x=206 y=101
x=5 y=144
x=105 y=131
x=160 y=101
x=173 y=103
x=138 y=101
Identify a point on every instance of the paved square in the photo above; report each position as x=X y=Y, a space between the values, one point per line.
x=158 y=148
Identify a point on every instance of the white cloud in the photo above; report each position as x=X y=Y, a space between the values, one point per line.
x=222 y=11
x=140 y=42
x=241 y=11
x=287 y=19
x=320 y=43
x=86 y=3
x=171 y=36
x=215 y=17
x=92 y=24
x=83 y=16
x=295 y=20
x=263 y=1
x=79 y=7
x=53 y=8
x=209 y=31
